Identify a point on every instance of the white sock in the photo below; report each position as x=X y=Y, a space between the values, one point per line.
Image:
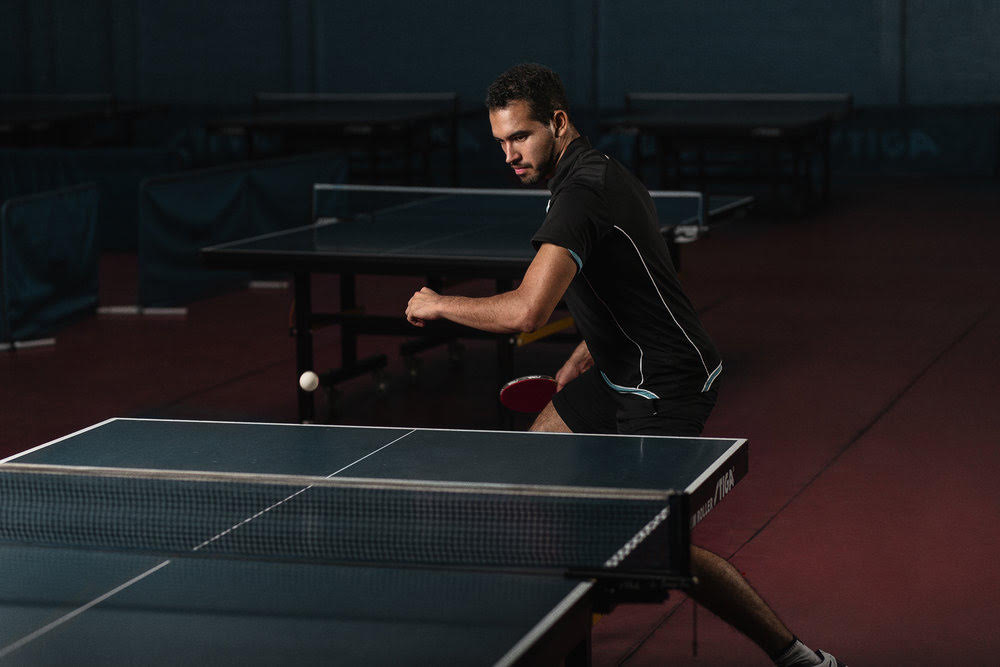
x=798 y=655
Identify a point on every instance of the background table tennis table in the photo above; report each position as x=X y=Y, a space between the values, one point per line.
x=104 y=603
x=386 y=128
x=713 y=140
x=86 y=120
x=453 y=233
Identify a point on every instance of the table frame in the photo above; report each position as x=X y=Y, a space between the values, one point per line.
x=354 y=322
x=799 y=133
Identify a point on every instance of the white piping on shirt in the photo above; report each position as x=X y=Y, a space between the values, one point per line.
x=642 y=377
x=664 y=301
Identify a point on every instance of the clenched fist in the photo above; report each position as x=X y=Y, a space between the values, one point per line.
x=423 y=305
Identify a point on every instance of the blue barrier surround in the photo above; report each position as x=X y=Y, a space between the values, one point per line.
x=182 y=213
x=48 y=261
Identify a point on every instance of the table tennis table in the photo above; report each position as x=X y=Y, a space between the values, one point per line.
x=139 y=541
x=70 y=120
x=381 y=126
x=438 y=233
x=711 y=140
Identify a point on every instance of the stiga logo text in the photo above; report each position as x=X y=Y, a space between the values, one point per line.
x=723 y=485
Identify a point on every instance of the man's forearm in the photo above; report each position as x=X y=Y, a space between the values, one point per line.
x=523 y=309
x=501 y=313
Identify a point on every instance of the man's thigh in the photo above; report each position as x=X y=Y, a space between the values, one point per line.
x=549 y=421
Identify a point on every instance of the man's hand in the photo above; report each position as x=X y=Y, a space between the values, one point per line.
x=424 y=305
x=577 y=363
x=524 y=308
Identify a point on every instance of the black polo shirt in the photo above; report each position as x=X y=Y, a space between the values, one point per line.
x=640 y=328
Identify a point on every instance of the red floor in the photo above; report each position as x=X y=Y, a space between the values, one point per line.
x=861 y=349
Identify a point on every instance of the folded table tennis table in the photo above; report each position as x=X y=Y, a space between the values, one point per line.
x=28 y=120
x=715 y=140
x=384 y=127
x=166 y=542
x=438 y=233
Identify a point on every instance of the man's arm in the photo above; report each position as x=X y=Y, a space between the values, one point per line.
x=577 y=363
x=525 y=308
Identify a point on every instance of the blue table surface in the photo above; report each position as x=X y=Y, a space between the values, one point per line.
x=199 y=611
x=490 y=227
x=637 y=462
x=144 y=608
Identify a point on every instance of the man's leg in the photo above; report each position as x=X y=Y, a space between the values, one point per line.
x=720 y=588
x=724 y=592
x=549 y=420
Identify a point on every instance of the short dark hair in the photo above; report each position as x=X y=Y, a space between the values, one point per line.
x=536 y=84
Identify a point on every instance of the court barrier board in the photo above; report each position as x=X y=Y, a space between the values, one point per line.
x=182 y=213
x=48 y=261
x=959 y=140
x=117 y=172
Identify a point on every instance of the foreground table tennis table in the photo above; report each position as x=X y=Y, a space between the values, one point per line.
x=167 y=542
x=439 y=233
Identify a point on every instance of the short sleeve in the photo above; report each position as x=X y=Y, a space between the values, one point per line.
x=576 y=220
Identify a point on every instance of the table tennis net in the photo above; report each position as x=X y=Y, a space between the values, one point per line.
x=424 y=204
x=334 y=520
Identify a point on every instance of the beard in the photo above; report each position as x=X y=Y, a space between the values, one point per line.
x=543 y=170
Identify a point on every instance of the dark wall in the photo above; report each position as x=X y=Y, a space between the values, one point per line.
x=773 y=46
x=221 y=52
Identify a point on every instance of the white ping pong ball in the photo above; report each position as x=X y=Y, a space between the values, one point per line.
x=309 y=381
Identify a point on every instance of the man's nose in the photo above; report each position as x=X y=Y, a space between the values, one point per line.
x=512 y=155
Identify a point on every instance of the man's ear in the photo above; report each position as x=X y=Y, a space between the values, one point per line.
x=560 y=121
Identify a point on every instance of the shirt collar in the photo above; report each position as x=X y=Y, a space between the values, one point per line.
x=569 y=156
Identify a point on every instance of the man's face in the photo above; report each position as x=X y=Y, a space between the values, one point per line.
x=528 y=145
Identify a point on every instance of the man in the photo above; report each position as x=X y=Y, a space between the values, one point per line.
x=646 y=364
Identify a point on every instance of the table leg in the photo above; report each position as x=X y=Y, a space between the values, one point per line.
x=453 y=139
x=505 y=361
x=505 y=344
x=348 y=336
x=825 y=150
x=303 y=343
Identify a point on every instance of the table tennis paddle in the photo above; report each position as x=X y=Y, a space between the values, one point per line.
x=530 y=393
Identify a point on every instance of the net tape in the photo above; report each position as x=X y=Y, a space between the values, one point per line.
x=331 y=519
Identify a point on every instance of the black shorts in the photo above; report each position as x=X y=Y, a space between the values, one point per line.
x=589 y=405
